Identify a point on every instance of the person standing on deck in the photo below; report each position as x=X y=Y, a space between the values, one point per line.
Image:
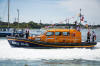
x=88 y=36
x=93 y=36
x=26 y=34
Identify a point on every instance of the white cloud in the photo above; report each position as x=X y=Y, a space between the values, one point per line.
x=90 y=8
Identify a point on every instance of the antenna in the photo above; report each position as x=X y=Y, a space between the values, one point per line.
x=80 y=16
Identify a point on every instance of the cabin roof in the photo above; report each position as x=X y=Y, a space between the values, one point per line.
x=62 y=30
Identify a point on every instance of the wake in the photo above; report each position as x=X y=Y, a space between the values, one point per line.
x=7 y=52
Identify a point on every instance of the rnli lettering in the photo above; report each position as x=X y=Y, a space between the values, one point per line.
x=24 y=44
x=13 y=42
x=21 y=44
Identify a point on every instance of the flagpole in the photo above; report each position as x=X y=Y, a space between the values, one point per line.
x=80 y=16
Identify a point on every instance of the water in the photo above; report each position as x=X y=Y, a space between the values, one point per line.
x=10 y=56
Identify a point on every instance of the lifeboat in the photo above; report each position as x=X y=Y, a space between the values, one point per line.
x=54 y=38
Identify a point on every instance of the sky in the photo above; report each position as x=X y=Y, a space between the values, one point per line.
x=51 y=11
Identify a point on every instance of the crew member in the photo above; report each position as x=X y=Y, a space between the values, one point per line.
x=27 y=34
x=88 y=36
x=93 y=36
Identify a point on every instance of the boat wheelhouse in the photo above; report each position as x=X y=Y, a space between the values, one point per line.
x=60 y=36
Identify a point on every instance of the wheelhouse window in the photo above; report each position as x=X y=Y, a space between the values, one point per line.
x=66 y=33
x=49 y=33
x=57 y=33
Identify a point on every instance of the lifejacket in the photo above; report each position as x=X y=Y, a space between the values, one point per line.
x=88 y=34
x=94 y=37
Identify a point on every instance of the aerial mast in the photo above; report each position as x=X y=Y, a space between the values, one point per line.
x=80 y=16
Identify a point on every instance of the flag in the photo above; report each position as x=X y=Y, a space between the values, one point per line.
x=82 y=18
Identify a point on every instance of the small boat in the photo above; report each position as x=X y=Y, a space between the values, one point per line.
x=54 y=38
x=4 y=32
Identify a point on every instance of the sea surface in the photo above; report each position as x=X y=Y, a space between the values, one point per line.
x=10 y=56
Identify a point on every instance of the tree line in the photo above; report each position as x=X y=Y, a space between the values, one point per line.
x=34 y=25
x=30 y=24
